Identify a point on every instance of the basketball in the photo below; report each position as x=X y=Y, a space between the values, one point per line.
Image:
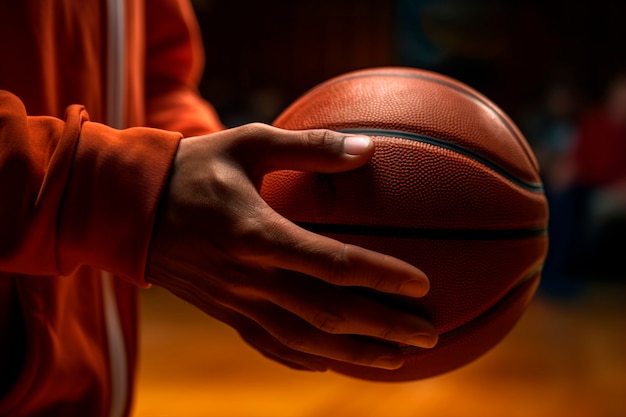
x=453 y=188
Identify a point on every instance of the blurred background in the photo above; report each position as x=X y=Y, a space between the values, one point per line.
x=558 y=68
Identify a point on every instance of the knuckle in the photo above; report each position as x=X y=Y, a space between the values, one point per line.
x=249 y=240
x=255 y=128
x=386 y=333
x=358 y=356
x=328 y=321
x=382 y=284
x=257 y=236
x=338 y=267
x=321 y=138
x=252 y=131
x=296 y=340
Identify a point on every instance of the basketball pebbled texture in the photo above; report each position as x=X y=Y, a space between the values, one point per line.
x=453 y=188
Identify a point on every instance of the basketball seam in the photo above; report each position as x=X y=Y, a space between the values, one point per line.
x=463 y=90
x=415 y=137
x=536 y=271
x=423 y=233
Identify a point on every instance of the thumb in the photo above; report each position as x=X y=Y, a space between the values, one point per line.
x=316 y=150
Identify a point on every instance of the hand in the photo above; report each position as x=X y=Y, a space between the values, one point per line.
x=288 y=292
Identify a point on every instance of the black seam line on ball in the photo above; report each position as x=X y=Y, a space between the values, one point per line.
x=423 y=233
x=489 y=312
x=530 y=186
x=473 y=96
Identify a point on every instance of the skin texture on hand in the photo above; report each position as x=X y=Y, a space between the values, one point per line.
x=288 y=292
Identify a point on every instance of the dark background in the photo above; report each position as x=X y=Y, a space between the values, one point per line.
x=261 y=55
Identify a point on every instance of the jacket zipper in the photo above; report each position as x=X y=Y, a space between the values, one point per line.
x=115 y=118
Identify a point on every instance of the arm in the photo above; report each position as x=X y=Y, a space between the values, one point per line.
x=75 y=192
x=174 y=64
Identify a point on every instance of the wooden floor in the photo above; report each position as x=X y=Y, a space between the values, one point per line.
x=564 y=359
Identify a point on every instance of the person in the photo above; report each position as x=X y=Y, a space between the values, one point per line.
x=115 y=174
x=597 y=170
x=551 y=129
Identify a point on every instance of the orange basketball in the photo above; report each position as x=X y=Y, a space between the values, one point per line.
x=453 y=188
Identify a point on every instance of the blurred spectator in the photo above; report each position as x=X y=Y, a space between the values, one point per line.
x=551 y=128
x=600 y=154
x=598 y=170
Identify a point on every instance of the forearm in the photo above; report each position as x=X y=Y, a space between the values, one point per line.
x=75 y=192
x=112 y=196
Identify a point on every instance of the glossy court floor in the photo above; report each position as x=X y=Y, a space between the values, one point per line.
x=565 y=358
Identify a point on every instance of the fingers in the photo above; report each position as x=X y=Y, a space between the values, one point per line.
x=269 y=149
x=341 y=310
x=296 y=334
x=285 y=337
x=253 y=333
x=296 y=249
x=267 y=345
x=303 y=329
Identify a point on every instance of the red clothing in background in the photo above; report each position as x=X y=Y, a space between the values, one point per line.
x=600 y=152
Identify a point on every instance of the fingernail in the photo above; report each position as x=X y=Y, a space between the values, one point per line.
x=415 y=288
x=356 y=145
x=386 y=362
x=423 y=340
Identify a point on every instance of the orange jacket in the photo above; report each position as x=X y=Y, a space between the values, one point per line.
x=78 y=197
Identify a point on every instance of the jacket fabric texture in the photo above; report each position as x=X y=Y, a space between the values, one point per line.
x=77 y=196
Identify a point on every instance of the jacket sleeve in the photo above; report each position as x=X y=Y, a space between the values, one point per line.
x=75 y=192
x=174 y=65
